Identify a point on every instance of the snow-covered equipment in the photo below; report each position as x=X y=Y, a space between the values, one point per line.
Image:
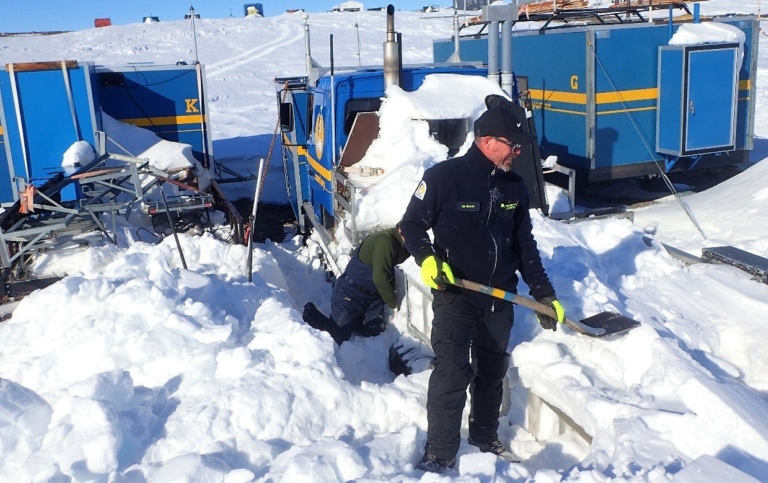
x=603 y=324
x=46 y=107
x=79 y=141
x=618 y=95
x=168 y=100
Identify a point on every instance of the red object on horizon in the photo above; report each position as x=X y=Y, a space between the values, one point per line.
x=102 y=22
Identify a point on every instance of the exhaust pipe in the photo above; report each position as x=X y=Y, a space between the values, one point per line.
x=392 y=61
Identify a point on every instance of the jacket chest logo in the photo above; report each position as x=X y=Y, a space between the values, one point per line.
x=508 y=206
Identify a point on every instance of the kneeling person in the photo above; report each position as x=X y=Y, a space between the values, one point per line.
x=360 y=293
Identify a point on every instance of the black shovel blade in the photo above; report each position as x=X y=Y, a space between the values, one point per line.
x=611 y=322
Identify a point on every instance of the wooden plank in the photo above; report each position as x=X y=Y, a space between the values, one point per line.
x=36 y=66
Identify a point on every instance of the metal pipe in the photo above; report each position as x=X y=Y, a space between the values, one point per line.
x=252 y=218
x=173 y=229
x=506 y=58
x=670 y=23
x=456 y=56
x=333 y=111
x=391 y=52
x=307 y=53
x=493 y=51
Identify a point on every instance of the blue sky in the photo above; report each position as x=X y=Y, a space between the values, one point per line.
x=43 y=15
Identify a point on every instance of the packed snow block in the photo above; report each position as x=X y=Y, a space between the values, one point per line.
x=48 y=106
x=24 y=420
x=706 y=469
x=93 y=443
x=748 y=262
x=115 y=387
x=728 y=415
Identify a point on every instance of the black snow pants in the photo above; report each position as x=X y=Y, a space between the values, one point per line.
x=355 y=305
x=461 y=328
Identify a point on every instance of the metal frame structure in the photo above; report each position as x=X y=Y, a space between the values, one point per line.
x=110 y=183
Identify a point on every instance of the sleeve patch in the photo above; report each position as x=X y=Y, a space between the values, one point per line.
x=421 y=190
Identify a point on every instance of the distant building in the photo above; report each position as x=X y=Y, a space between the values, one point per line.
x=471 y=4
x=102 y=22
x=294 y=10
x=188 y=16
x=377 y=9
x=150 y=19
x=348 y=7
x=251 y=9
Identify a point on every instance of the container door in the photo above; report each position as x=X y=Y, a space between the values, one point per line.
x=711 y=99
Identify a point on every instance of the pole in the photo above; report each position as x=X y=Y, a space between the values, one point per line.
x=173 y=229
x=252 y=219
x=194 y=35
x=333 y=112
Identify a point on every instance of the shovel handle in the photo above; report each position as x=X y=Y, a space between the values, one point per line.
x=529 y=303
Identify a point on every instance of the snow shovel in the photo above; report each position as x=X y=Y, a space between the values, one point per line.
x=598 y=326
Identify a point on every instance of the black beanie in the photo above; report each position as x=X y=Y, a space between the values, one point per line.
x=501 y=123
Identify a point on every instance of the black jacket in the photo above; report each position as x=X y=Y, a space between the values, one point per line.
x=481 y=225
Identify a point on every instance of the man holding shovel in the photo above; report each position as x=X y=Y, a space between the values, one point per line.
x=477 y=209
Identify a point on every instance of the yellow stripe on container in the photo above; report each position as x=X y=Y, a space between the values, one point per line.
x=165 y=120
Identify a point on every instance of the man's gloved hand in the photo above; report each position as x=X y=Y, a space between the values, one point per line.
x=435 y=273
x=546 y=321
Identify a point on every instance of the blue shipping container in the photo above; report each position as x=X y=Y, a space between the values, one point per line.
x=47 y=106
x=595 y=94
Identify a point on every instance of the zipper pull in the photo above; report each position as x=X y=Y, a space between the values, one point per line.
x=493 y=305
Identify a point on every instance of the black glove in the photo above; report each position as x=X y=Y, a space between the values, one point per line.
x=547 y=322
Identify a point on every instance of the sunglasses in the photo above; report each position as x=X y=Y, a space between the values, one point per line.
x=512 y=145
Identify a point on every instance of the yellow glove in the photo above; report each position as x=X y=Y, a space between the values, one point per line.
x=548 y=322
x=435 y=273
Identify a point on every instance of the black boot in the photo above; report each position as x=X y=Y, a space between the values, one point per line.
x=493 y=445
x=434 y=464
x=314 y=317
x=372 y=328
x=317 y=320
